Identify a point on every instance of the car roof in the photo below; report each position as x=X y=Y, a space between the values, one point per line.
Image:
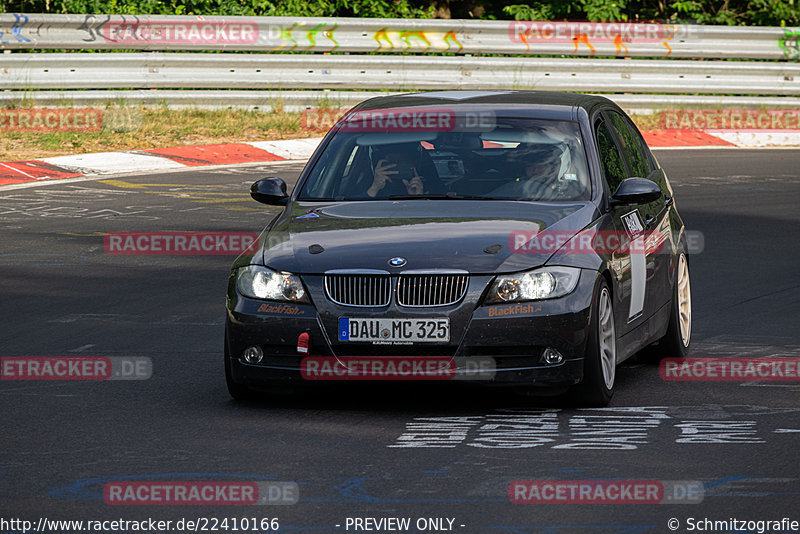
x=529 y=104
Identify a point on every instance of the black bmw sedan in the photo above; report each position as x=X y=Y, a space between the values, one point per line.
x=508 y=238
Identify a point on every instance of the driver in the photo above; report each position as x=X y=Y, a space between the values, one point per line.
x=395 y=174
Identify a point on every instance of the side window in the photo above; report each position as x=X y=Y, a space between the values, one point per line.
x=356 y=175
x=643 y=148
x=613 y=168
x=637 y=161
x=322 y=170
x=349 y=165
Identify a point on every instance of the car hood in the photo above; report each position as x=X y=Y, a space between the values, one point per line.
x=311 y=238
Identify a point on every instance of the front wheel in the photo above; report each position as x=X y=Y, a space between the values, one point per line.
x=600 y=359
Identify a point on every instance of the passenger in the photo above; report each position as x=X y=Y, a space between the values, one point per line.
x=542 y=168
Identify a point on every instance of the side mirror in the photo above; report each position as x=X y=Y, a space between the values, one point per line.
x=636 y=191
x=270 y=191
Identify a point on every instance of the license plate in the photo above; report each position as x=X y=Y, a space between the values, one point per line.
x=407 y=330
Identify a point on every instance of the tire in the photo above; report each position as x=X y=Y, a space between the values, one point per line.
x=239 y=392
x=678 y=339
x=600 y=358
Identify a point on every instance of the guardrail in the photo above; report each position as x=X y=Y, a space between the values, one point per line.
x=405 y=73
x=284 y=34
x=295 y=101
x=411 y=55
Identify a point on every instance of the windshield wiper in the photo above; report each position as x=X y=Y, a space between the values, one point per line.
x=448 y=196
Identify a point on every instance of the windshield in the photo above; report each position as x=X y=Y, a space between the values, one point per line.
x=505 y=158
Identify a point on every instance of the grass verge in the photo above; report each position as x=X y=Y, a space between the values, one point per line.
x=156 y=128
x=162 y=127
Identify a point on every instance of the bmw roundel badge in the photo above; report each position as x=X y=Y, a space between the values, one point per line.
x=397 y=262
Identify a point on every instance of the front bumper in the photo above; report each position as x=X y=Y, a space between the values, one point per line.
x=512 y=337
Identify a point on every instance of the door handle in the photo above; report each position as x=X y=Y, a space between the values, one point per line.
x=668 y=201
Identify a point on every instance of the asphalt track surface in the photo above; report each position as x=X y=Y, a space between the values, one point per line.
x=62 y=441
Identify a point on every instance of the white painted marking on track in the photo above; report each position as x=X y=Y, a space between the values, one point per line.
x=612 y=428
x=723 y=431
x=289 y=148
x=722 y=147
x=113 y=163
x=766 y=385
x=759 y=139
x=18 y=170
x=83 y=348
x=94 y=177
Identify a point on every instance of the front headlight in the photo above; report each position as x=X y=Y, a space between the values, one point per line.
x=259 y=282
x=544 y=283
